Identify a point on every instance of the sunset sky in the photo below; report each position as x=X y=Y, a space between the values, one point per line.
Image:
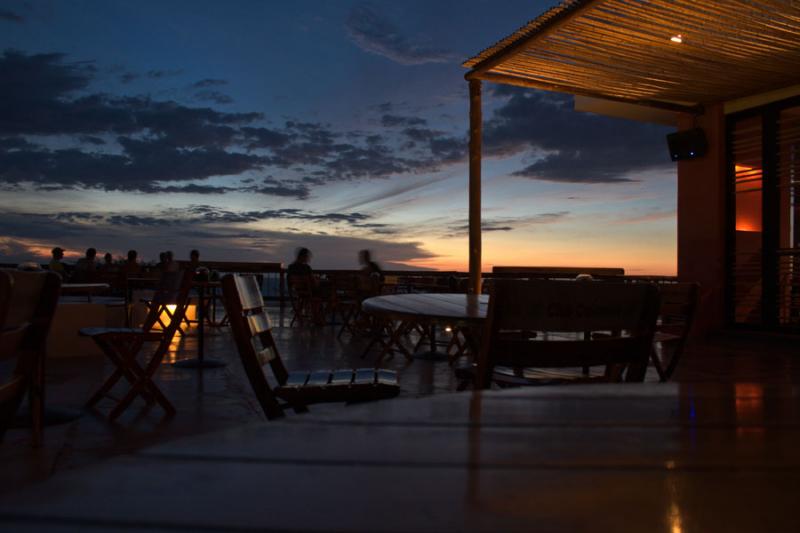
x=249 y=128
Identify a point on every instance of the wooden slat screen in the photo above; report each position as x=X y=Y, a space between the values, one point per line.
x=788 y=171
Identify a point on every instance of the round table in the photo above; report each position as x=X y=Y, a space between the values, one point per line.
x=433 y=309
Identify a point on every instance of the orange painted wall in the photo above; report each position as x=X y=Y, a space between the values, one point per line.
x=701 y=219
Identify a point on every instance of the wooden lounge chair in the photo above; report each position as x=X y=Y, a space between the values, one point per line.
x=549 y=324
x=676 y=316
x=122 y=345
x=252 y=331
x=28 y=302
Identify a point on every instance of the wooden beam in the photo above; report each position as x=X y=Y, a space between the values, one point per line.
x=531 y=84
x=526 y=42
x=475 y=126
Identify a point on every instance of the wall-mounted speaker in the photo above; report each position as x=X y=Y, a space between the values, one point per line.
x=688 y=144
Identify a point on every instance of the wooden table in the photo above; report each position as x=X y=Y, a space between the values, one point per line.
x=202 y=361
x=600 y=458
x=444 y=309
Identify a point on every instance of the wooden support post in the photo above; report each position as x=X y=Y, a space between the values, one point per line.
x=475 y=124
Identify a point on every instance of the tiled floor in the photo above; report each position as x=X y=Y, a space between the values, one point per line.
x=731 y=418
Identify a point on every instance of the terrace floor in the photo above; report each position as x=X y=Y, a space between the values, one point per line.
x=740 y=382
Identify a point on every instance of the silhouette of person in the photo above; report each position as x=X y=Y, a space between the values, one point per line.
x=55 y=264
x=170 y=265
x=368 y=266
x=371 y=275
x=194 y=259
x=131 y=266
x=108 y=263
x=85 y=267
x=300 y=266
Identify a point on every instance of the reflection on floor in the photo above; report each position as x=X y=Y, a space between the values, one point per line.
x=220 y=399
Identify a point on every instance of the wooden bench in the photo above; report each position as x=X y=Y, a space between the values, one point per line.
x=551 y=324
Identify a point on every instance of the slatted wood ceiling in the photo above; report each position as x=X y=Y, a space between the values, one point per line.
x=622 y=50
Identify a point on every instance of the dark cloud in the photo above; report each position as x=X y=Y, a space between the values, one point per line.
x=264 y=137
x=191 y=188
x=213 y=96
x=571 y=147
x=9 y=16
x=29 y=236
x=510 y=224
x=128 y=77
x=155 y=74
x=284 y=188
x=91 y=139
x=14 y=143
x=208 y=213
x=391 y=121
x=158 y=141
x=209 y=82
x=375 y=34
x=141 y=164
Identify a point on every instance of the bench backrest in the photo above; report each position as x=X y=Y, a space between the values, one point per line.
x=535 y=323
x=558 y=272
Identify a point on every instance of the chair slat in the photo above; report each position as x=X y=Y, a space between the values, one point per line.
x=364 y=376
x=342 y=377
x=296 y=379
x=249 y=292
x=266 y=355
x=319 y=378
x=387 y=377
x=259 y=323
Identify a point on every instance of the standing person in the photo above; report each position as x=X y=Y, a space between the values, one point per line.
x=55 y=264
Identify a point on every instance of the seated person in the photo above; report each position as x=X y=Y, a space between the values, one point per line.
x=371 y=274
x=55 y=264
x=300 y=266
x=108 y=263
x=131 y=267
x=86 y=267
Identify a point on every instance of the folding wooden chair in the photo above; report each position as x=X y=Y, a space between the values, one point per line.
x=252 y=331
x=676 y=315
x=28 y=302
x=544 y=324
x=122 y=346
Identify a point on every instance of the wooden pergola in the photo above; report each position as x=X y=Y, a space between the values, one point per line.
x=676 y=55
